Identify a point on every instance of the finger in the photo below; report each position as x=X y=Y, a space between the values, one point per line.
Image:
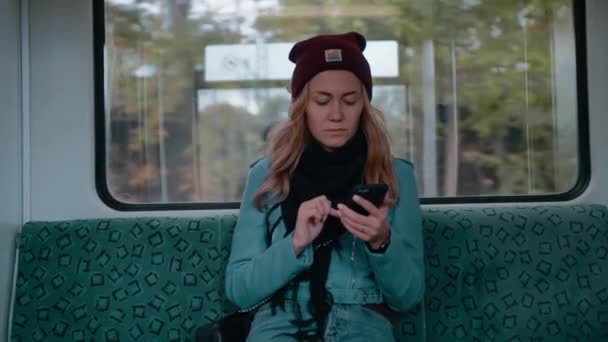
x=345 y=211
x=365 y=204
x=315 y=214
x=365 y=229
x=357 y=229
x=334 y=212
x=319 y=210
x=323 y=200
x=356 y=232
x=325 y=204
x=386 y=202
x=320 y=213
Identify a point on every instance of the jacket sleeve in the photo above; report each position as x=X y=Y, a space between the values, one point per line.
x=399 y=271
x=255 y=271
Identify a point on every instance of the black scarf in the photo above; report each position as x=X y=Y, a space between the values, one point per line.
x=333 y=174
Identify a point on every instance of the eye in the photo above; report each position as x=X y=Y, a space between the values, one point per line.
x=321 y=101
x=351 y=100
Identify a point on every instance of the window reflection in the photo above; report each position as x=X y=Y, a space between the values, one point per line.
x=481 y=96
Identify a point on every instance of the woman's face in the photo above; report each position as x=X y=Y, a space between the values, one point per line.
x=334 y=107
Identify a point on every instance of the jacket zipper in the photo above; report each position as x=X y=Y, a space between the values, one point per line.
x=257 y=305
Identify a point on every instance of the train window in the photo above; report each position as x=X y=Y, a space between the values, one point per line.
x=481 y=96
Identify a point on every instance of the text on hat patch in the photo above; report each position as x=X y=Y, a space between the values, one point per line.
x=333 y=55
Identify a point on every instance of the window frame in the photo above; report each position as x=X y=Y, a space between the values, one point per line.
x=584 y=162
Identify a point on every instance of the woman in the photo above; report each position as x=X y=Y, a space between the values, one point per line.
x=323 y=271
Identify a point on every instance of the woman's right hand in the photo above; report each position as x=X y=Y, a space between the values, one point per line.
x=309 y=222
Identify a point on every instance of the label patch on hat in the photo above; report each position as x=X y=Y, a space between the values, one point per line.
x=333 y=55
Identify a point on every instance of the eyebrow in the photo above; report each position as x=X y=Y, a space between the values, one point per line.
x=318 y=92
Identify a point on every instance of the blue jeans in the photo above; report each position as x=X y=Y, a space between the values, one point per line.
x=346 y=322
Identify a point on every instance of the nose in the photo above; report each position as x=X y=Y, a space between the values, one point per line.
x=335 y=111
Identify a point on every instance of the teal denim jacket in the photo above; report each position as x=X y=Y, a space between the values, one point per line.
x=356 y=275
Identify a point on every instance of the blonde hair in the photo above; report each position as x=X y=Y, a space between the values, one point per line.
x=288 y=139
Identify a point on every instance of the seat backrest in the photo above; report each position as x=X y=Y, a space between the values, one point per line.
x=492 y=274
x=517 y=274
x=140 y=279
x=129 y=279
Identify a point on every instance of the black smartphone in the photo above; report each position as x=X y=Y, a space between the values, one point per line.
x=374 y=193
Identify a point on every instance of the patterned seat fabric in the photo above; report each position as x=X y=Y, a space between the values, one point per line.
x=517 y=274
x=503 y=274
x=140 y=279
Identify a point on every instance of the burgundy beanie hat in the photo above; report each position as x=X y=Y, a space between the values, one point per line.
x=329 y=52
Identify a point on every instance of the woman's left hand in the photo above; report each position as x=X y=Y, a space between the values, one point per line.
x=373 y=228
